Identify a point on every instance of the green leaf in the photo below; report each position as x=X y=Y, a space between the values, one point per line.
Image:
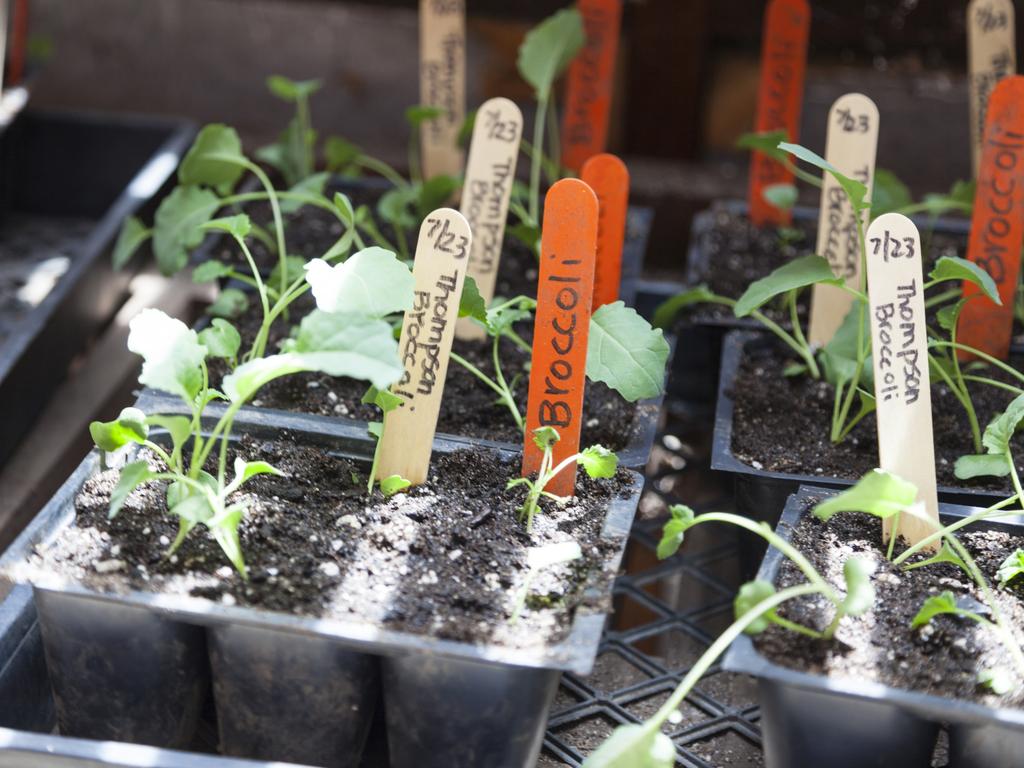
x=674 y=530
x=839 y=355
x=527 y=234
x=944 y=555
x=394 y=207
x=177 y=226
x=999 y=680
x=340 y=154
x=1000 y=430
x=782 y=196
x=294 y=268
x=237 y=225
x=545 y=437
x=435 y=193
x=624 y=352
x=955 y=268
x=225 y=530
x=471 y=304
x=855 y=190
x=860 y=592
x=766 y=142
x=338 y=345
x=466 y=129
x=221 y=339
x=984 y=465
x=129 y=427
x=598 y=461
x=132 y=235
x=382 y=398
x=419 y=114
x=292 y=90
x=750 y=594
x=312 y=186
x=665 y=314
x=214 y=160
x=209 y=271
x=371 y=282
x=633 y=746
x=246 y=470
x=888 y=193
x=171 y=352
x=938 y=605
x=949 y=315
x=548 y=49
x=878 y=493
x=178 y=491
x=501 y=318
x=230 y=302
x=392 y=484
x=799 y=273
x=132 y=476
x=178 y=427
x=344 y=206
x=1011 y=567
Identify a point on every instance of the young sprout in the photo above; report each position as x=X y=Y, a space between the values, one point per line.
x=597 y=460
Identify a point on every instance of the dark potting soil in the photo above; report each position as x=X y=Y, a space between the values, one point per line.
x=942 y=658
x=469 y=406
x=781 y=423
x=448 y=558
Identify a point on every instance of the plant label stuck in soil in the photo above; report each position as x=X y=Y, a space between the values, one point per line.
x=608 y=176
x=588 y=96
x=486 y=192
x=779 y=97
x=997 y=223
x=991 y=56
x=900 y=360
x=442 y=84
x=442 y=256
x=565 y=288
x=852 y=138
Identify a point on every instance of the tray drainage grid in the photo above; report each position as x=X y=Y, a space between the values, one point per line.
x=666 y=614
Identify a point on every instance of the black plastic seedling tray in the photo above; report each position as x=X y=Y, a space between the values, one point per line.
x=809 y=719
x=453 y=703
x=66 y=184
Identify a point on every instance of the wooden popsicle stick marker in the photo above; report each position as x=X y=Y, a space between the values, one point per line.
x=591 y=79
x=899 y=347
x=608 y=176
x=997 y=223
x=562 y=327
x=442 y=84
x=779 y=98
x=852 y=138
x=442 y=253
x=486 y=192
x=991 y=56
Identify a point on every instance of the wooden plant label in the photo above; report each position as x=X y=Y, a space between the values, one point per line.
x=991 y=56
x=852 y=137
x=562 y=327
x=442 y=83
x=608 y=176
x=490 y=172
x=442 y=253
x=900 y=359
x=588 y=96
x=779 y=97
x=997 y=224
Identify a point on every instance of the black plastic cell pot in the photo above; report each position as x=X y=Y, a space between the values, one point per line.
x=809 y=719
x=68 y=180
x=444 y=699
x=695 y=366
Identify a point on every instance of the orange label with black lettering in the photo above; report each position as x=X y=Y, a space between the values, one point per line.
x=997 y=224
x=588 y=97
x=608 y=176
x=562 y=327
x=779 y=98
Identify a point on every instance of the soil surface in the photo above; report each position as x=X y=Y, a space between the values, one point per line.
x=446 y=559
x=469 y=407
x=781 y=424
x=942 y=658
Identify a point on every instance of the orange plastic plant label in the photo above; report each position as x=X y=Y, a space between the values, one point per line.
x=562 y=326
x=588 y=98
x=997 y=224
x=779 y=97
x=608 y=176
